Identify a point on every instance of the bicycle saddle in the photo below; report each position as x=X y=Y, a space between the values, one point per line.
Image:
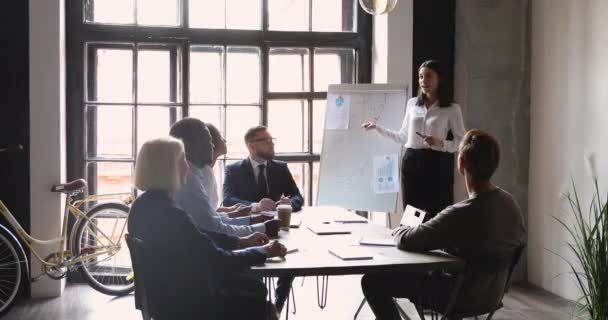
x=76 y=185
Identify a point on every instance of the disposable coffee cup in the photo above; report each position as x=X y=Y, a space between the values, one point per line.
x=284 y=213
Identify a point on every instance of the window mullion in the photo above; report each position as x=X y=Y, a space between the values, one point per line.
x=311 y=63
x=135 y=105
x=264 y=16
x=185 y=69
x=185 y=18
x=224 y=98
x=173 y=84
x=135 y=12
x=265 y=81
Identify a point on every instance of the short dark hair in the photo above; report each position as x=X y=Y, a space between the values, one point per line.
x=481 y=154
x=216 y=136
x=443 y=94
x=252 y=132
x=192 y=132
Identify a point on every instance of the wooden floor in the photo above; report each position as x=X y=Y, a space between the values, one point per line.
x=83 y=303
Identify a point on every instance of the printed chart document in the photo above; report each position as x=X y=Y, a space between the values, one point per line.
x=412 y=216
x=337 y=113
x=328 y=228
x=377 y=241
x=386 y=179
x=351 y=253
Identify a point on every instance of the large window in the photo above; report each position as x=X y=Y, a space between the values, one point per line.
x=137 y=66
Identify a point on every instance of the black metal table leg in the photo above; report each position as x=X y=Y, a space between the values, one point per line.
x=322 y=297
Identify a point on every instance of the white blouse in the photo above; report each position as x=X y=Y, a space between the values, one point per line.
x=434 y=121
x=210 y=185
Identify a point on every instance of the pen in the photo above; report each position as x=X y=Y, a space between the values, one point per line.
x=420 y=135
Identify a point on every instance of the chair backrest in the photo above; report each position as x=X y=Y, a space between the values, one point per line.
x=511 y=260
x=514 y=261
x=139 y=255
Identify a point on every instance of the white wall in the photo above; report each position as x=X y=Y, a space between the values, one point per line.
x=392 y=55
x=47 y=129
x=569 y=112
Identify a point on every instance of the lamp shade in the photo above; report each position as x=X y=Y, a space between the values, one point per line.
x=377 y=7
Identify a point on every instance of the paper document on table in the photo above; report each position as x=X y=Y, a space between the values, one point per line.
x=348 y=218
x=269 y=213
x=377 y=241
x=295 y=222
x=351 y=253
x=337 y=112
x=328 y=229
x=412 y=216
x=386 y=173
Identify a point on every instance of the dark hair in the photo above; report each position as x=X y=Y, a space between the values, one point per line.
x=443 y=95
x=216 y=136
x=192 y=132
x=251 y=133
x=481 y=154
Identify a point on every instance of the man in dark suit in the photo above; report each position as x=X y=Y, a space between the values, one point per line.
x=263 y=183
x=259 y=180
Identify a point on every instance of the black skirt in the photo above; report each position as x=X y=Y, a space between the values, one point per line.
x=427 y=180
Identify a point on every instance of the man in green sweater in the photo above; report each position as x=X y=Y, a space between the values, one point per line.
x=487 y=226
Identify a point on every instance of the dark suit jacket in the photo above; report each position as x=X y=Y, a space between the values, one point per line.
x=240 y=185
x=192 y=266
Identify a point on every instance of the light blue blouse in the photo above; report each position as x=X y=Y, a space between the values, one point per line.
x=193 y=198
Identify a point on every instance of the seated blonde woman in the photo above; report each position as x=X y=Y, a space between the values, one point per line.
x=202 y=274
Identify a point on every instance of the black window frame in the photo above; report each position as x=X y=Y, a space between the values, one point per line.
x=80 y=33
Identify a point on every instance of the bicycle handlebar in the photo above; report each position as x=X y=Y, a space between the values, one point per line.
x=12 y=148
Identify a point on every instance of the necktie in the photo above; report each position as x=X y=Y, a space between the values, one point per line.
x=262 y=183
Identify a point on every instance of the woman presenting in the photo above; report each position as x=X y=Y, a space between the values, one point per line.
x=427 y=169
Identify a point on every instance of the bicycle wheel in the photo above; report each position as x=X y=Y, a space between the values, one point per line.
x=11 y=272
x=109 y=270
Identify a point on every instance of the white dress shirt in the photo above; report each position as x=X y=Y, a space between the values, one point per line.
x=434 y=121
x=210 y=185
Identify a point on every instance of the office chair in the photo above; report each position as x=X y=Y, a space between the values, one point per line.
x=138 y=257
x=509 y=264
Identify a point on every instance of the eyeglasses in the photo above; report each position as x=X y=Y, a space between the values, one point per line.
x=264 y=140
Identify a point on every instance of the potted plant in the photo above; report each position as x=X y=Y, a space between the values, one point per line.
x=589 y=245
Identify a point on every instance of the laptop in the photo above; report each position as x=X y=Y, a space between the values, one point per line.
x=412 y=216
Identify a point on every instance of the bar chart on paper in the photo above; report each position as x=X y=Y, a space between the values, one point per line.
x=385 y=173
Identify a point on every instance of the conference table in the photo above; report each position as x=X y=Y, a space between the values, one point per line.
x=313 y=258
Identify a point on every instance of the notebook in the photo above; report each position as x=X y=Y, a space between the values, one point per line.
x=295 y=222
x=349 y=218
x=351 y=253
x=377 y=241
x=328 y=228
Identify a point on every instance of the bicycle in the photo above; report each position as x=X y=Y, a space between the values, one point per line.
x=97 y=246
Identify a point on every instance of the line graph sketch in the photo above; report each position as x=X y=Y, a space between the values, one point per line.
x=348 y=174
